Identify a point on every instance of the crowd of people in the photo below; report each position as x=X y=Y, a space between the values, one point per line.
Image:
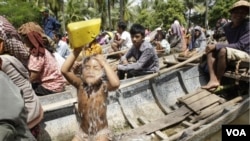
x=36 y=61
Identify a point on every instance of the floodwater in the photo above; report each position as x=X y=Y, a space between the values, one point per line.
x=243 y=119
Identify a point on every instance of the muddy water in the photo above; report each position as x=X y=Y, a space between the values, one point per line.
x=243 y=119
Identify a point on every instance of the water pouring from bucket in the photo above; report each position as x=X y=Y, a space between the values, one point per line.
x=92 y=85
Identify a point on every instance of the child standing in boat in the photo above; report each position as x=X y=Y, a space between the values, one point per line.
x=96 y=80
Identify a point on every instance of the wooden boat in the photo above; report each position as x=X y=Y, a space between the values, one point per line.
x=168 y=105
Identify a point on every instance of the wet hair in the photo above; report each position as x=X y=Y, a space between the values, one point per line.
x=122 y=25
x=86 y=59
x=89 y=88
x=137 y=28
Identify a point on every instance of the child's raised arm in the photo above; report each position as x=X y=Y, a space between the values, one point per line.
x=67 y=65
x=113 y=80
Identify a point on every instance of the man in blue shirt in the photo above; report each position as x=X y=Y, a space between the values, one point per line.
x=237 y=48
x=49 y=23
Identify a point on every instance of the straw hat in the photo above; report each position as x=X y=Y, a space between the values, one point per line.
x=240 y=3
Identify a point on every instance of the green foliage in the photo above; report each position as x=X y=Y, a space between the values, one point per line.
x=170 y=11
x=146 y=19
x=220 y=10
x=162 y=13
x=18 y=12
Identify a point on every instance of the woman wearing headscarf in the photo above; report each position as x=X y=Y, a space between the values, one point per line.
x=12 y=42
x=45 y=74
x=176 y=38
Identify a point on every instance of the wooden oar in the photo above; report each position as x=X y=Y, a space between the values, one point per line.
x=117 y=52
x=147 y=77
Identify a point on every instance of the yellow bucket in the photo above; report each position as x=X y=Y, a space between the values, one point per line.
x=83 y=32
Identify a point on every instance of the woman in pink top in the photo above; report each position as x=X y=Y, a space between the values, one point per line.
x=44 y=72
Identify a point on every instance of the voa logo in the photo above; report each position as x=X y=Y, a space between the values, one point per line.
x=236 y=132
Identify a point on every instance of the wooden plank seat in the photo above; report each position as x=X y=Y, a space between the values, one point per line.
x=199 y=100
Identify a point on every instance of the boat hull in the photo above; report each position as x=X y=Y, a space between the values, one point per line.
x=147 y=101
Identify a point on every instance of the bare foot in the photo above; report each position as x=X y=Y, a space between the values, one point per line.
x=210 y=85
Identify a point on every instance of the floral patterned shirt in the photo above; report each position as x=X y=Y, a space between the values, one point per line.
x=50 y=76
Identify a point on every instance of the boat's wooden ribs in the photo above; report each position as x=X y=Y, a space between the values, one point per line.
x=182 y=82
x=155 y=93
x=130 y=121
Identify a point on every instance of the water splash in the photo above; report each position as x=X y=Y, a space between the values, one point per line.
x=94 y=117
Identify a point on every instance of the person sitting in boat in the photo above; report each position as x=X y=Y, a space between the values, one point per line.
x=147 y=33
x=12 y=41
x=161 y=44
x=158 y=33
x=143 y=52
x=45 y=74
x=13 y=126
x=125 y=39
x=32 y=26
x=20 y=77
x=93 y=85
x=105 y=38
x=62 y=47
x=219 y=34
x=237 y=34
x=198 y=43
x=176 y=37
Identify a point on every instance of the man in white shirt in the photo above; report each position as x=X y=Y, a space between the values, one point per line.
x=125 y=41
x=62 y=47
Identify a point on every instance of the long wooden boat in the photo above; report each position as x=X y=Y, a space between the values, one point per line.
x=168 y=105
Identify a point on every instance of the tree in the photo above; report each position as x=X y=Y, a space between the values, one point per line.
x=167 y=12
x=16 y=15
x=220 y=10
x=190 y=5
x=143 y=14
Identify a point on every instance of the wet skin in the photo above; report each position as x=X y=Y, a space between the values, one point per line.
x=92 y=96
